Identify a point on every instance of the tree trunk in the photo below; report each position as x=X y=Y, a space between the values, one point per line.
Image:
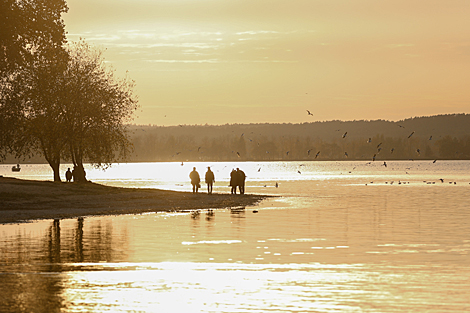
x=55 y=168
x=54 y=163
x=80 y=171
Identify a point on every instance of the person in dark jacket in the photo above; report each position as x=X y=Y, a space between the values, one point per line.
x=68 y=175
x=241 y=180
x=210 y=179
x=195 y=180
x=233 y=181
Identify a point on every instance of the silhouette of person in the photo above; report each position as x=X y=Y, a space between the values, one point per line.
x=233 y=181
x=241 y=181
x=195 y=180
x=68 y=175
x=210 y=179
x=74 y=174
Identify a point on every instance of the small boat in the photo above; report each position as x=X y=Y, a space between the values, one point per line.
x=16 y=168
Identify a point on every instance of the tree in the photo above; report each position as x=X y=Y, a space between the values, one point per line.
x=74 y=111
x=97 y=107
x=30 y=29
x=32 y=34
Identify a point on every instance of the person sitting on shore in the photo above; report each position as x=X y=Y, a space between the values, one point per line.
x=195 y=180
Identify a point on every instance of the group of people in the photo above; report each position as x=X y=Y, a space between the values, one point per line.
x=237 y=179
x=73 y=175
x=196 y=180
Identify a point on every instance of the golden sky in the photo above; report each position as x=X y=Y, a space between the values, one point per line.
x=256 y=61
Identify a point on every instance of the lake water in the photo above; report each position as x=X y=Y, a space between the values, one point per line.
x=342 y=237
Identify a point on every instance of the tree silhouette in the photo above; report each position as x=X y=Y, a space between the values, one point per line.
x=75 y=110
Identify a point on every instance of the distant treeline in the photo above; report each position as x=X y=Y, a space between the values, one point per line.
x=433 y=137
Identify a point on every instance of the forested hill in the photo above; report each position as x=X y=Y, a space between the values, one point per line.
x=431 y=137
x=441 y=136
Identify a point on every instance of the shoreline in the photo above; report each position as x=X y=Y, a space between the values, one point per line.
x=28 y=200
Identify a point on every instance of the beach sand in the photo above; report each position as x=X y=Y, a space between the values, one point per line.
x=25 y=200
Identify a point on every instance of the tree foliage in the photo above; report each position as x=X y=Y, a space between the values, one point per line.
x=75 y=111
x=31 y=35
x=30 y=30
x=97 y=107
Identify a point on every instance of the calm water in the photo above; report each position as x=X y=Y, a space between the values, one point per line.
x=343 y=237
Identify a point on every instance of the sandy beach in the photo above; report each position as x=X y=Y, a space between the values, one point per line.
x=24 y=200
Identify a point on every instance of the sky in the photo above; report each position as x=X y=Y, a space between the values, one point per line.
x=269 y=61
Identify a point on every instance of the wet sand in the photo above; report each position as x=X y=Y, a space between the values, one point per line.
x=23 y=200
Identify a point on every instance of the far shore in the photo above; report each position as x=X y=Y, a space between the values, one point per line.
x=27 y=200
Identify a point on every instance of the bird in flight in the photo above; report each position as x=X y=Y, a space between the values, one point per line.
x=318 y=153
x=370 y=140
x=411 y=134
x=344 y=135
x=309 y=113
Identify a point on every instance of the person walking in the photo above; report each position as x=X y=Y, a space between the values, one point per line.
x=241 y=180
x=210 y=179
x=195 y=180
x=233 y=181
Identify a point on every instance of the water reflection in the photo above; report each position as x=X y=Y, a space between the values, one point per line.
x=327 y=246
x=34 y=243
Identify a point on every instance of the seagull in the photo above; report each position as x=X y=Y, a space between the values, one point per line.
x=346 y=154
x=318 y=153
x=198 y=149
x=308 y=152
x=287 y=153
x=309 y=113
x=259 y=170
x=373 y=158
x=370 y=140
x=299 y=172
x=391 y=150
x=411 y=134
x=238 y=154
x=379 y=145
x=385 y=164
x=418 y=151
x=430 y=138
x=344 y=135
x=434 y=161
x=401 y=126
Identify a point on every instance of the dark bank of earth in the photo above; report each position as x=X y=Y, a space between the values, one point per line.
x=22 y=200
